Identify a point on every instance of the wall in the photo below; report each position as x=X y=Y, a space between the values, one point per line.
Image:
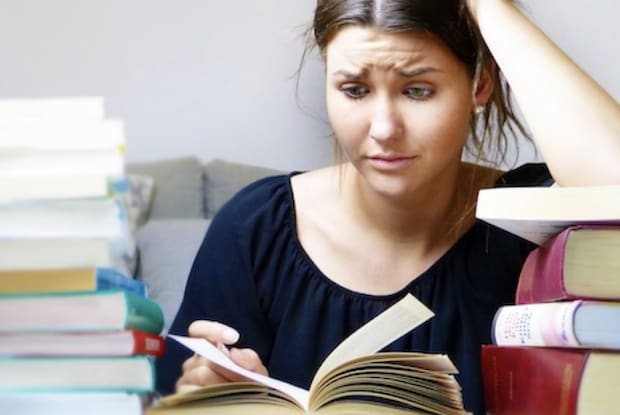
x=214 y=78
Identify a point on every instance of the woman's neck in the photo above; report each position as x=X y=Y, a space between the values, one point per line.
x=431 y=216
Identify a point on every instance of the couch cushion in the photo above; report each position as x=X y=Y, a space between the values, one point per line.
x=178 y=189
x=225 y=178
x=166 y=250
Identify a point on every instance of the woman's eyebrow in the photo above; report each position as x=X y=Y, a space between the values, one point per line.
x=349 y=75
x=417 y=71
x=352 y=75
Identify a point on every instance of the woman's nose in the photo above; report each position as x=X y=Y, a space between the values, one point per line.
x=386 y=123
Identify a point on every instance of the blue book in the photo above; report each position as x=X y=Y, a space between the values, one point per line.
x=57 y=280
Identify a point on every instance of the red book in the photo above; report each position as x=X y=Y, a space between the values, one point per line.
x=580 y=262
x=103 y=343
x=529 y=380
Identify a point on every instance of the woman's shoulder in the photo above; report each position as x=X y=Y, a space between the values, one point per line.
x=255 y=202
x=528 y=174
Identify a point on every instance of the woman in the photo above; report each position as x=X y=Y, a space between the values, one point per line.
x=293 y=264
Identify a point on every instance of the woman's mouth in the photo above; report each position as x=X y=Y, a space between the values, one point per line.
x=390 y=163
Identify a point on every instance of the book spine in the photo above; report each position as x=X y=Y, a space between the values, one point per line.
x=543 y=324
x=542 y=274
x=146 y=343
x=526 y=380
x=143 y=314
x=109 y=278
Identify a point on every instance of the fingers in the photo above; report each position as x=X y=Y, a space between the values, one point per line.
x=199 y=372
x=213 y=331
x=248 y=359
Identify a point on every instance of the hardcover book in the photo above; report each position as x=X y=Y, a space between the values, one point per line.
x=55 y=252
x=72 y=374
x=539 y=213
x=581 y=262
x=68 y=280
x=71 y=403
x=578 y=323
x=529 y=380
x=353 y=379
x=91 y=343
x=80 y=311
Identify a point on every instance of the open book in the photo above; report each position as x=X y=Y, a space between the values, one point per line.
x=353 y=379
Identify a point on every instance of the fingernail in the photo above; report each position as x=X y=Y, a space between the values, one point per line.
x=230 y=336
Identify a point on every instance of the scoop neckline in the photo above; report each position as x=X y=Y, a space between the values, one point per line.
x=427 y=274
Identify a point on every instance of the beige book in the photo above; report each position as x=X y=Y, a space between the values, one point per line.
x=540 y=213
x=353 y=379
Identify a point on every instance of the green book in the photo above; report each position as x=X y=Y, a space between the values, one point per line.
x=80 y=311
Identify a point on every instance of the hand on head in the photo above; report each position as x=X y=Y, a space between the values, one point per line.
x=199 y=372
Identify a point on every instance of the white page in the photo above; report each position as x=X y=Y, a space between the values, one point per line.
x=394 y=322
x=209 y=351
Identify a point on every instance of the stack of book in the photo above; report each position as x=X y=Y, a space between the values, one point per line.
x=77 y=333
x=557 y=350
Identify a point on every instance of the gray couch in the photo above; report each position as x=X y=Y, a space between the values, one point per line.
x=186 y=195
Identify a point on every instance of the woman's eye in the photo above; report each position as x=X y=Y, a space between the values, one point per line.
x=355 y=91
x=418 y=92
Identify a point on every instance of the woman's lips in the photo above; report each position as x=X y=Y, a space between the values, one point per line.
x=390 y=163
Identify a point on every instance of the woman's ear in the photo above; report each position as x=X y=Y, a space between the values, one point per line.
x=484 y=85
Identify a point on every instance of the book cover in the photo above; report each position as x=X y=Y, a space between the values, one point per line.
x=573 y=324
x=80 y=311
x=528 y=380
x=539 y=213
x=72 y=374
x=62 y=135
x=96 y=343
x=46 y=187
x=71 y=403
x=354 y=378
x=580 y=262
x=55 y=252
x=105 y=162
x=69 y=218
x=68 y=280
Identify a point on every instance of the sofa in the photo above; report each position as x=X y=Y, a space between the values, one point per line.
x=178 y=198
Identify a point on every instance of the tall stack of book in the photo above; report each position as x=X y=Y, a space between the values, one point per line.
x=77 y=333
x=557 y=350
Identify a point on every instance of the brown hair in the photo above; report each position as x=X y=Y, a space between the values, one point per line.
x=451 y=22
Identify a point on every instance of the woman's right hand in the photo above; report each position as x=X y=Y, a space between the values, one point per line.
x=199 y=372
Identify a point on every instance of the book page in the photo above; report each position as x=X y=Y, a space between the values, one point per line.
x=384 y=329
x=213 y=354
x=394 y=322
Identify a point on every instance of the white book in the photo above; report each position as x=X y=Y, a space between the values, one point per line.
x=76 y=403
x=106 y=161
x=67 y=135
x=68 y=218
x=43 y=187
x=48 y=253
x=58 y=108
x=539 y=213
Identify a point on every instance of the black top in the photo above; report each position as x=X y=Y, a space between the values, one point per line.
x=252 y=273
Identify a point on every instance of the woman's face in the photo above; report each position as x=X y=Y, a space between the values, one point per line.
x=399 y=105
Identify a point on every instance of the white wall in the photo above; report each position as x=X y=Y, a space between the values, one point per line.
x=213 y=78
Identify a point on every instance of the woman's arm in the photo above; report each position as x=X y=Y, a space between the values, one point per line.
x=574 y=122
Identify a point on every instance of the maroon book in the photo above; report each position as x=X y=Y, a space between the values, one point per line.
x=580 y=262
x=529 y=380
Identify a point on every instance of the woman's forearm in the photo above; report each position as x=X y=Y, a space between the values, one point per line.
x=574 y=121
